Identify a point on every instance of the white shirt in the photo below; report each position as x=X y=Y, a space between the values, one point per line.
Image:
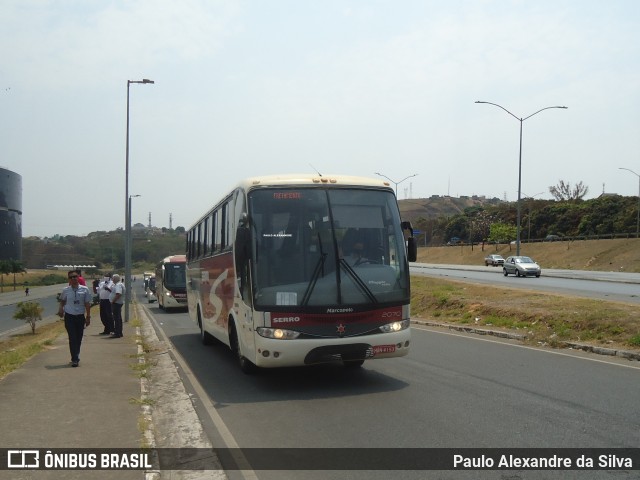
x=104 y=288
x=117 y=288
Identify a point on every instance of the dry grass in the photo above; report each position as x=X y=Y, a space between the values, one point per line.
x=30 y=278
x=544 y=318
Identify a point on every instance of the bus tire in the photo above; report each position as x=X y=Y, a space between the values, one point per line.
x=205 y=337
x=245 y=364
x=352 y=363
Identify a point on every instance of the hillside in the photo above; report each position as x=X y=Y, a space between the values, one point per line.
x=437 y=206
x=620 y=255
x=441 y=218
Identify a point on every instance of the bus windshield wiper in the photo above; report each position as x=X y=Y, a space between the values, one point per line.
x=358 y=281
x=316 y=274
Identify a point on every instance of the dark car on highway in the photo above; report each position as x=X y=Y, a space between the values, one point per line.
x=521 y=266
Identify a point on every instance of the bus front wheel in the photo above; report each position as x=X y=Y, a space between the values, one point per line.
x=352 y=363
x=205 y=337
x=245 y=364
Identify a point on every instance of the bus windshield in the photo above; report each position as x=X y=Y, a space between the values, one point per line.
x=322 y=247
x=174 y=276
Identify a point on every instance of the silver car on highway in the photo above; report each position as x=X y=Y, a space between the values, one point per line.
x=521 y=266
x=493 y=260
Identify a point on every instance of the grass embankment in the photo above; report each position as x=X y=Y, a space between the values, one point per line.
x=19 y=348
x=543 y=318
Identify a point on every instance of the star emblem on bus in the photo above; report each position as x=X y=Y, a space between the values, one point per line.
x=341 y=329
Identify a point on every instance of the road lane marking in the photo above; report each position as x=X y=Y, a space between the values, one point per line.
x=535 y=349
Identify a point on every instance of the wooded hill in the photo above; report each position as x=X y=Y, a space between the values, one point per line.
x=472 y=218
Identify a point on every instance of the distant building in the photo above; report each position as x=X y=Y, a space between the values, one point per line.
x=10 y=215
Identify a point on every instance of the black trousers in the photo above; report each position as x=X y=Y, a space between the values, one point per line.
x=75 y=329
x=106 y=315
x=117 y=318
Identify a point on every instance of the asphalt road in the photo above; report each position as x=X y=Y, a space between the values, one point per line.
x=452 y=391
x=46 y=296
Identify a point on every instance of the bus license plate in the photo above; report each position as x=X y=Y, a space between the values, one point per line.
x=383 y=349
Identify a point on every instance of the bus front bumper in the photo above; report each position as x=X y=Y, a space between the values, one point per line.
x=271 y=353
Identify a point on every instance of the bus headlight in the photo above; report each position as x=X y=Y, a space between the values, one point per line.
x=395 y=326
x=277 y=333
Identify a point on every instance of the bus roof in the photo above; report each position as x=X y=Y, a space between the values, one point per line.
x=312 y=179
x=174 y=259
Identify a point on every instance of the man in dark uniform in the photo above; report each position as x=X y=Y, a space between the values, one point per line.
x=75 y=306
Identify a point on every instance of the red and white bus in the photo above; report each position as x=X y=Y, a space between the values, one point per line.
x=171 y=284
x=303 y=269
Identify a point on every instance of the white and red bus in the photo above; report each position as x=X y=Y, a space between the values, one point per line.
x=171 y=284
x=303 y=269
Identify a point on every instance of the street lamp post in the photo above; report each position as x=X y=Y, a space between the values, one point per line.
x=530 y=197
x=127 y=213
x=396 y=183
x=127 y=285
x=521 y=120
x=638 y=217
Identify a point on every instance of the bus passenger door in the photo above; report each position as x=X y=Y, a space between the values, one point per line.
x=244 y=322
x=242 y=298
x=193 y=292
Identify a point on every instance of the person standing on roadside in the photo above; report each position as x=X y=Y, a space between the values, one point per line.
x=117 y=300
x=106 y=315
x=75 y=307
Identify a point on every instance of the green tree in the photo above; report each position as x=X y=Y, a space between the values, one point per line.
x=29 y=312
x=458 y=226
x=502 y=232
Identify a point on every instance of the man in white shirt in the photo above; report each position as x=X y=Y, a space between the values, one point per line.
x=117 y=300
x=106 y=315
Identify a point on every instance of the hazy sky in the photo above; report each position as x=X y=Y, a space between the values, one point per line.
x=253 y=87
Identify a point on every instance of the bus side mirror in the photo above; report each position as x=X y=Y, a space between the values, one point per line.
x=242 y=245
x=412 y=245
x=412 y=249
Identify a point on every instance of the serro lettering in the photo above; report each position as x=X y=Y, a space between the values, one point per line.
x=286 y=319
